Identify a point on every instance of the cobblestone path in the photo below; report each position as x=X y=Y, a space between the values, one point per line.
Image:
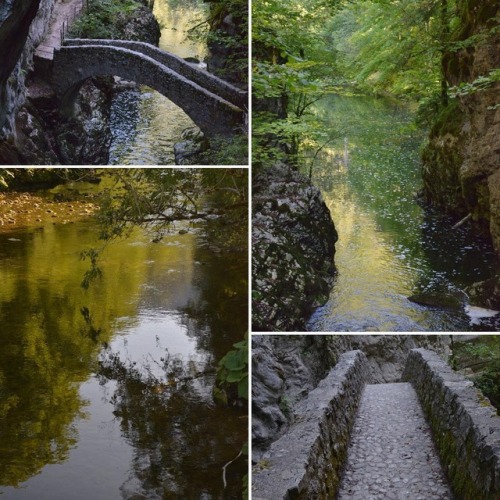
x=391 y=456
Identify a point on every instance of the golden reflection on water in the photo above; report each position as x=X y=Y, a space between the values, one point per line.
x=176 y=19
x=160 y=122
x=365 y=253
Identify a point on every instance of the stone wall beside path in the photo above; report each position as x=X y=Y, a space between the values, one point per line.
x=307 y=461
x=465 y=427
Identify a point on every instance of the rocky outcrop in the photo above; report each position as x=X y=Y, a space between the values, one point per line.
x=461 y=162
x=285 y=368
x=293 y=242
x=228 y=41
x=387 y=354
x=465 y=427
x=22 y=26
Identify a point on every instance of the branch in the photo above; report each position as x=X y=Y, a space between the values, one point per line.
x=224 y=468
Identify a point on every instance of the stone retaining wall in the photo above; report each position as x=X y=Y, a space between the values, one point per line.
x=307 y=461
x=466 y=428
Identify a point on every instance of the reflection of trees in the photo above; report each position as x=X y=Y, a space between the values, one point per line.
x=181 y=441
x=50 y=331
x=47 y=325
x=40 y=364
x=222 y=306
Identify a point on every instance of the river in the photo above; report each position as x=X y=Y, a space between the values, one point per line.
x=106 y=393
x=144 y=124
x=389 y=248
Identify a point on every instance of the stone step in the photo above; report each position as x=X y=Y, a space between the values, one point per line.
x=391 y=455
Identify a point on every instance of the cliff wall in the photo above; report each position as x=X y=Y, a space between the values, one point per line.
x=461 y=162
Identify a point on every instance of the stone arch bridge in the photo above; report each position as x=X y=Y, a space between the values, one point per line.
x=216 y=106
x=432 y=435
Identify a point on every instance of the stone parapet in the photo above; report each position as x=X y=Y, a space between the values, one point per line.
x=199 y=76
x=73 y=64
x=307 y=461
x=465 y=427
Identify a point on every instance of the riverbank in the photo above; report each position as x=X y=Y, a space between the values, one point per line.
x=26 y=209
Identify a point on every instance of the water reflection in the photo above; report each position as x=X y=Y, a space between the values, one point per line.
x=145 y=125
x=106 y=393
x=388 y=247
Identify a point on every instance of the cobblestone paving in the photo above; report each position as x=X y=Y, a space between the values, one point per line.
x=391 y=456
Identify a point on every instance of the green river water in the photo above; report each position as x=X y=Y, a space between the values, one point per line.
x=107 y=393
x=389 y=247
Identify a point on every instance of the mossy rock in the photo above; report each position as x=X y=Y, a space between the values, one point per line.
x=439 y=300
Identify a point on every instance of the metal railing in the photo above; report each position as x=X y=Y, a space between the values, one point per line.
x=76 y=11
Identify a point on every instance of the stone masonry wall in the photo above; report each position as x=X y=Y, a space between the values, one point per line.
x=210 y=82
x=307 y=461
x=211 y=113
x=466 y=428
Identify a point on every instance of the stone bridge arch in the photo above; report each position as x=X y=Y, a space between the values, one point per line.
x=203 y=97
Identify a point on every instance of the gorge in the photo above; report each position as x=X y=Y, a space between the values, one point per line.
x=100 y=129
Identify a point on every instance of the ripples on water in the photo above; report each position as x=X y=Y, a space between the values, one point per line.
x=389 y=248
x=145 y=125
x=107 y=393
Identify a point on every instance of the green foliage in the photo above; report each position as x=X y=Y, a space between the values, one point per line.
x=227 y=39
x=294 y=67
x=390 y=47
x=104 y=18
x=232 y=373
x=480 y=83
x=95 y=271
x=5 y=176
x=30 y=178
x=227 y=151
x=482 y=357
x=158 y=197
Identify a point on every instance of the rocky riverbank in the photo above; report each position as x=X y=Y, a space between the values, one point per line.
x=461 y=162
x=293 y=241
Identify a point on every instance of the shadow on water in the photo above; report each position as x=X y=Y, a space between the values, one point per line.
x=389 y=248
x=107 y=393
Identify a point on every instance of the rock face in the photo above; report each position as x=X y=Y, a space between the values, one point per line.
x=293 y=241
x=228 y=42
x=22 y=25
x=285 y=369
x=461 y=162
x=387 y=353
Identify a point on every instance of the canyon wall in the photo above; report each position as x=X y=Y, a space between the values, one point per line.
x=461 y=162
